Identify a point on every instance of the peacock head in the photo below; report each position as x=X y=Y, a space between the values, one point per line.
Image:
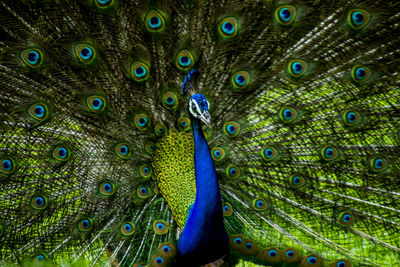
x=198 y=108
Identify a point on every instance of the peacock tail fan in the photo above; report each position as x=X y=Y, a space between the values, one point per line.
x=97 y=164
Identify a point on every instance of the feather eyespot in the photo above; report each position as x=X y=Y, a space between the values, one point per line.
x=270 y=153
x=297 y=181
x=352 y=118
x=184 y=60
x=140 y=71
x=32 y=57
x=240 y=79
x=341 y=263
x=250 y=247
x=297 y=68
x=218 y=153
x=143 y=192
x=167 y=249
x=360 y=74
x=160 y=130
x=290 y=255
x=141 y=121
x=231 y=129
x=285 y=15
x=329 y=153
x=184 y=124
x=288 y=115
x=96 y=103
x=311 y=260
x=259 y=204
x=107 y=188
x=150 y=147
x=154 y=21
x=237 y=242
x=271 y=255
x=160 y=227
x=358 y=19
x=346 y=218
x=85 y=53
x=232 y=172
x=103 y=4
x=38 y=111
x=61 y=153
x=378 y=164
x=7 y=165
x=123 y=150
x=227 y=209
x=228 y=27
x=85 y=224
x=127 y=228
x=170 y=100
x=39 y=202
x=145 y=171
x=40 y=258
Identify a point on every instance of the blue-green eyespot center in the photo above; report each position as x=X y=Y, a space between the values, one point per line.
x=297 y=68
x=155 y=22
x=358 y=19
x=85 y=53
x=285 y=15
x=32 y=57
x=184 y=60
x=228 y=27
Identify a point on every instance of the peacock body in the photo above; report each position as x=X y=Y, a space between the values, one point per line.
x=182 y=133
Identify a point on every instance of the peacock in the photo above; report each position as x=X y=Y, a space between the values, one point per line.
x=200 y=133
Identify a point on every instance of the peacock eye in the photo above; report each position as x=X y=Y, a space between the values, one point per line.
x=39 y=202
x=360 y=74
x=96 y=104
x=107 y=188
x=297 y=68
x=102 y=4
x=154 y=21
x=127 y=228
x=143 y=192
x=123 y=150
x=85 y=53
x=358 y=19
x=341 y=263
x=329 y=153
x=259 y=204
x=140 y=71
x=285 y=15
x=32 y=57
x=141 y=121
x=269 y=153
x=297 y=181
x=85 y=224
x=378 y=164
x=7 y=165
x=61 y=153
x=272 y=253
x=160 y=227
x=346 y=218
x=184 y=60
x=227 y=209
x=38 y=111
x=240 y=80
x=228 y=27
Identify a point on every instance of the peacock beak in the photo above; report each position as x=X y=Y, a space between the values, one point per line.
x=206 y=118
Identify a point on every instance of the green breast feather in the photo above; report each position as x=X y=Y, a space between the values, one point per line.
x=173 y=164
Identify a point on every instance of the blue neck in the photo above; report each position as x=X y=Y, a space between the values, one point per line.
x=204 y=238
